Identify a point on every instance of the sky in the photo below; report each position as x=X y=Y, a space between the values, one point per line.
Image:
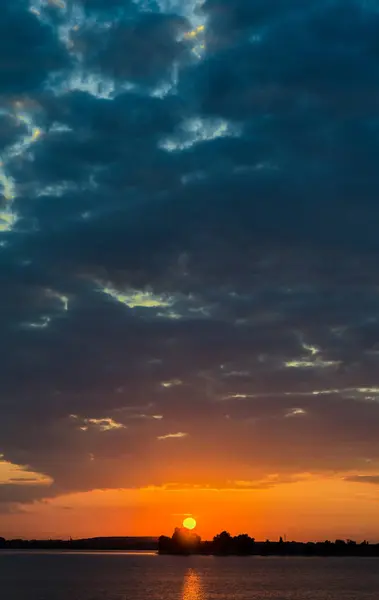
x=188 y=267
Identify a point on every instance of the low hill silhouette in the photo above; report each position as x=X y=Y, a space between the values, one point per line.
x=183 y=542
x=96 y=543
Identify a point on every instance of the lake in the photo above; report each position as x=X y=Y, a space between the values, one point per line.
x=127 y=576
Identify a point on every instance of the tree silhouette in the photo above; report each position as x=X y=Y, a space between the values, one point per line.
x=223 y=544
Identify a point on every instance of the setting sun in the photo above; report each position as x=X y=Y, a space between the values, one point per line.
x=189 y=523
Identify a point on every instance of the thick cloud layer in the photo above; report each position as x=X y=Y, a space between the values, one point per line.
x=188 y=241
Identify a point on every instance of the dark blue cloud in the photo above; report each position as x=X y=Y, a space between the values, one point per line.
x=104 y=7
x=142 y=50
x=30 y=50
x=188 y=241
x=10 y=131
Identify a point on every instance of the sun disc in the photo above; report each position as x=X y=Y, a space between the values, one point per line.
x=189 y=523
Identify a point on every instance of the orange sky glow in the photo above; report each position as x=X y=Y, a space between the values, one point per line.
x=314 y=508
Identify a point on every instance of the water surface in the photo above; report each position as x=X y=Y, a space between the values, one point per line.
x=126 y=576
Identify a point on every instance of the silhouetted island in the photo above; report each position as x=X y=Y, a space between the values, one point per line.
x=184 y=542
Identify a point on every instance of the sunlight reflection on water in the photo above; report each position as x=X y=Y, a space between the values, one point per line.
x=192 y=587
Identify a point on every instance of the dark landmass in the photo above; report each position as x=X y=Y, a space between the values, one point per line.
x=97 y=543
x=184 y=542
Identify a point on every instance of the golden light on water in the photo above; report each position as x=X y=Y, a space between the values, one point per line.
x=189 y=523
x=192 y=588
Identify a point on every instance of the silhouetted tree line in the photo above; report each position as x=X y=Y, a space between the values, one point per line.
x=187 y=542
x=183 y=542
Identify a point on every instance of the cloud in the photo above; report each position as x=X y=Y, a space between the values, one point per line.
x=15 y=493
x=136 y=299
x=188 y=242
x=104 y=6
x=23 y=480
x=104 y=424
x=143 y=50
x=10 y=131
x=373 y=479
x=169 y=436
x=30 y=50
